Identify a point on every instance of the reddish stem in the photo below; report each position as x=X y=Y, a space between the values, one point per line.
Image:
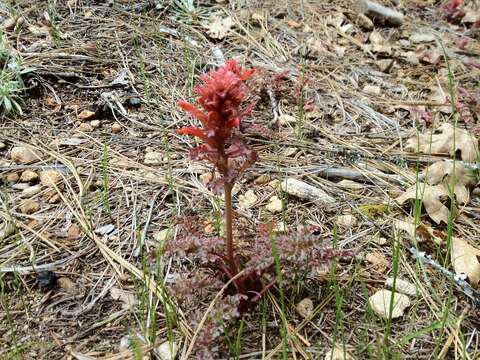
x=239 y=285
x=264 y=290
x=228 y=228
x=227 y=187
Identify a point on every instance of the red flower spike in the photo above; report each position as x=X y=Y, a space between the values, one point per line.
x=220 y=96
x=194 y=111
x=243 y=74
x=194 y=131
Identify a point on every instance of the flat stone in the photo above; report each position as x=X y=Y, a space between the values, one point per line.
x=49 y=178
x=420 y=37
x=31 y=191
x=286 y=119
x=274 y=184
x=85 y=127
x=28 y=176
x=95 y=124
x=365 y=22
x=248 y=199
x=275 y=205
x=153 y=158
x=23 y=155
x=116 y=128
x=29 y=206
x=281 y=227
x=9 y=23
x=262 y=179
x=107 y=229
x=305 y=308
x=347 y=220
x=380 y=303
x=338 y=353
x=290 y=151
x=125 y=343
x=167 y=350
x=86 y=115
x=372 y=89
x=12 y=177
x=163 y=235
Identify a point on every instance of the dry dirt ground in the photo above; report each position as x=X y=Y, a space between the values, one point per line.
x=337 y=101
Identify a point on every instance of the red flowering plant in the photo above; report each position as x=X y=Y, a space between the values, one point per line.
x=221 y=97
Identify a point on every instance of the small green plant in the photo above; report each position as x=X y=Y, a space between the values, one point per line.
x=186 y=10
x=137 y=352
x=10 y=95
x=190 y=63
x=387 y=351
x=11 y=83
x=16 y=350
x=278 y=274
x=52 y=16
x=143 y=68
x=339 y=333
